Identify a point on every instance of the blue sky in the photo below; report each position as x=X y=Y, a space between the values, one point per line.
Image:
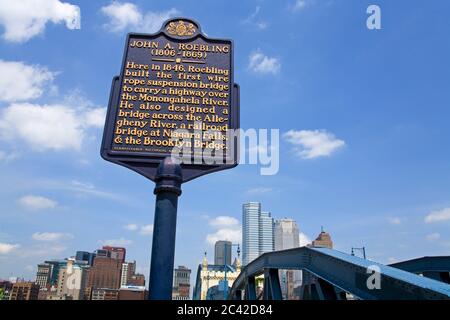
x=363 y=116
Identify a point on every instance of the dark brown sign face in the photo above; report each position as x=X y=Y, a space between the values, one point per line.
x=172 y=90
x=175 y=91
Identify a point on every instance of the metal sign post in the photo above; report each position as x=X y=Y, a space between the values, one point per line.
x=174 y=83
x=167 y=190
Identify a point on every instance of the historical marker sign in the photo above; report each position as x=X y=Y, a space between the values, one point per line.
x=175 y=90
x=171 y=117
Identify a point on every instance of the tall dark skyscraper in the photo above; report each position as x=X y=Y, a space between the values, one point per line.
x=222 y=252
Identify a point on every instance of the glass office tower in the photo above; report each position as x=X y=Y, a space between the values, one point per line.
x=257 y=232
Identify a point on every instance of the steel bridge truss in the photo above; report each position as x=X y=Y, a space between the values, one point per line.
x=333 y=275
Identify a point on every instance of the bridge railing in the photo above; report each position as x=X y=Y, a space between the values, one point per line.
x=331 y=275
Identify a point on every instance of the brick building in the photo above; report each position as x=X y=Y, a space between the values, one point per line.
x=24 y=291
x=136 y=280
x=105 y=273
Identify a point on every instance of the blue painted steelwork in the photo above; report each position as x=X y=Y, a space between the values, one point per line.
x=437 y=268
x=437 y=264
x=332 y=273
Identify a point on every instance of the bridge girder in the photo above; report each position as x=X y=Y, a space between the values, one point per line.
x=336 y=272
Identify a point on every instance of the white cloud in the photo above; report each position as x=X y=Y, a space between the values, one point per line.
x=89 y=189
x=230 y=234
x=95 y=117
x=131 y=227
x=303 y=239
x=37 y=202
x=223 y=221
x=50 y=236
x=437 y=216
x=43 y=249
x=260 y=63
x=24 y=19
x=394 y=220
x=310 y=144
x=122 y=15
x=48 y=127
x=121 y=242
x=226 y=228
x=55 y=126
x=127 y=16
x=146 y=229
x=433 y=237
x=253 y=19
x=82 y=185
x=80 y=189
x=6 y=248
x=21 y=82
x=299 y=5
x=259 y=190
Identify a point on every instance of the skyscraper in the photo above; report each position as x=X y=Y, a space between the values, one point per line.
x=257 y=232
x=222 y=252
x=250 y=231
x=286 y=234
x=266 y=239
x=128 y=270
x=105 y=273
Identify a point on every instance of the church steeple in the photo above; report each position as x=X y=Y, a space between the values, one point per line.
x=237 y=261
x=205 y=262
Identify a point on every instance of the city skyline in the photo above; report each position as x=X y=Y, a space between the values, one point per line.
x=102 y=274
x=362 y=118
